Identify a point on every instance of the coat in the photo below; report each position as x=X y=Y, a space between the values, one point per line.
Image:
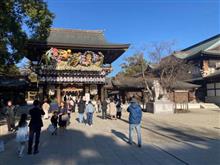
x=36 y=121
x=10 y=114
x=135 y=113
x=90 y=108
x=112 y=109
x=104 y=105
x=81 y=106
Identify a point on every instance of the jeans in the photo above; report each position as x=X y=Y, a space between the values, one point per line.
x=89 y=118
x=80 y=117
x=138 y=130
x=104 y=114
x=32 y=132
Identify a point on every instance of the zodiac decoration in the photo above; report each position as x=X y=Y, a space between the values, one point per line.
x=69 y=60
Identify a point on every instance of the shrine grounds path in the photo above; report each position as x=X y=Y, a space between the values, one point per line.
x=180 y=139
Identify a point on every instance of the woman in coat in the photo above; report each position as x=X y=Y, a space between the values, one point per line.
x=112 y=109
x=63 y=116
x=81 y=110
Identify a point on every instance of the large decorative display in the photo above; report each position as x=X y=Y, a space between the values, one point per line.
x=67 y=60
x=77 y=79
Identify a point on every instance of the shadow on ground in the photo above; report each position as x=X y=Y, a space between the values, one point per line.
x=73 y=147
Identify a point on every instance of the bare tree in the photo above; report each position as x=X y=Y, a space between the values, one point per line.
x=169 y=68
x=172 y=69
x=158 y=50
x=137 y=64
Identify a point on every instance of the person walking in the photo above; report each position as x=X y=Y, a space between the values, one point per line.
x=35 y=126
x=99 y=106
x=81 y=110
x=112 y=109
x=10 y=115
x=135 y=116
x=22 y=134
x=119 y=109
x=89 y=112
x=72 y=104
x=46 y=108
x=104 y=109
x=63 y=116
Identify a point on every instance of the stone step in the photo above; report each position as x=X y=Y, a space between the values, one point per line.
x=209 y=106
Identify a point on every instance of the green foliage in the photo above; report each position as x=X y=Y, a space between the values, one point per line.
x=9 y=70
x=21 y=20
x=134 y=64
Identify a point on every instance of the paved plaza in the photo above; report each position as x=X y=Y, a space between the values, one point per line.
x=179 y=139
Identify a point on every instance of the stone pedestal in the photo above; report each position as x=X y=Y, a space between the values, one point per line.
x=163 y=107
x=160 y=106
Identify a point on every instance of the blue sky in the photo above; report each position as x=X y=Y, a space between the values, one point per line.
x=140 y=22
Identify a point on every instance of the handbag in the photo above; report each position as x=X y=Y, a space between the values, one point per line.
x=51 y=128
x=65 y=117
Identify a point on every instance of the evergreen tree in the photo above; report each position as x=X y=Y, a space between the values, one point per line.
x=20 y=21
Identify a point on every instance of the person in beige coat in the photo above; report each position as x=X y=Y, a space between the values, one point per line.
x=112 y=110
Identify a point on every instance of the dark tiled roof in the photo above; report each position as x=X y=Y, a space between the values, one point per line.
x=76 y=36
x=181 y=85
x=202 y=47
x=77 y=40
x=68 y=37
x=131 y=82
x=12 y=82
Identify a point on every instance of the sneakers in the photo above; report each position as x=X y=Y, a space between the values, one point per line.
x=129 y=143
x=20 y=155
x=139 y=145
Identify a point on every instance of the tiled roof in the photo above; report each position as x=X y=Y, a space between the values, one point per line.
x=12 y=82
x=181 y=85
x=76 y=36
x=203 y=47
x=70 y=37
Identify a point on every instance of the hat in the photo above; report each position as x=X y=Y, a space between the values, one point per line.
x=133 y=100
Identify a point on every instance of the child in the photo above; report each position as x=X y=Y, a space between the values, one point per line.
x=54 y=122
x=22 y=134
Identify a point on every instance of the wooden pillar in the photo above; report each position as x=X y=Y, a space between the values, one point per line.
x=205 y=67
x=58 y=94
x=102 y=93
x=40 y=93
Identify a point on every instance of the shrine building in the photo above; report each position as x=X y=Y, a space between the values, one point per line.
x=72 y=62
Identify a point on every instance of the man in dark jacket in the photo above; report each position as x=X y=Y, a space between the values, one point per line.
x=104 y=109
x=35 y=127
x=135 y=116
x=81 y=109
x=10 y=115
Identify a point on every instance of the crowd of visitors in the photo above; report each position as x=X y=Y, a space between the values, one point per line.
x=60 y=117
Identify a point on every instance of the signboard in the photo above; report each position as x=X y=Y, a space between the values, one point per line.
x=93 y=89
